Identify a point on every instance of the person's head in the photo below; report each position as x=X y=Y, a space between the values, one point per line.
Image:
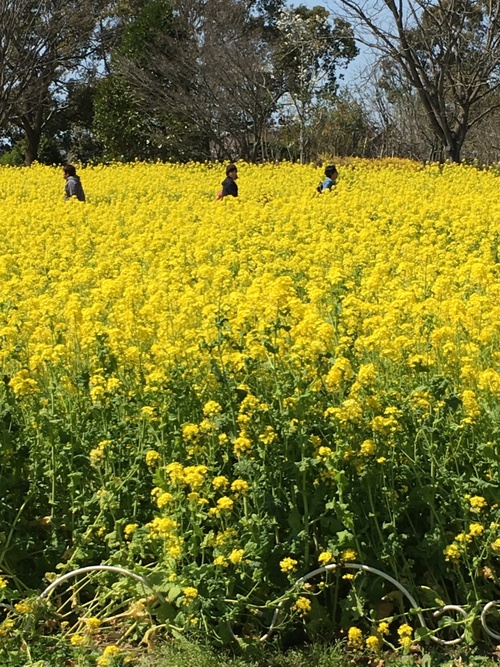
x=331 y=172
x=69 y=170
x=232 y=171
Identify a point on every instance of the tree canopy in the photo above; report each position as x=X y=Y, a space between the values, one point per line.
x=252 y=79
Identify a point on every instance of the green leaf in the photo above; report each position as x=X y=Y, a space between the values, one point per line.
x=165 y=612
x=421 y=634
x=426 y=660
x=295 y=520
x=174 y=593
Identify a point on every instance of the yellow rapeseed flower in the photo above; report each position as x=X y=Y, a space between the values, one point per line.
x=302 y=606
x=236 y=556
x=190 y=593
x=162 y=527
x=452 y=553
x=6 y=626
x=405 y=630
x=153 y=458
x=92 y=623
x=163 y=499
x=240 y=486
x=383 y=628
x=477 y=503
x=77 y=640
x=108 y=656
x=23 y=607
x=288 y=564
x=220 y=561
x=373 y=643
x=355 y=637
x=476 y=529
x=325 y=557
x=129 y=530
x=220 y=482
x=225 y=504
x=212 y=408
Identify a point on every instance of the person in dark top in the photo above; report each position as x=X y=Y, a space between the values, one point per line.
x=73 y=187
x=229 y=185
x=331 y=174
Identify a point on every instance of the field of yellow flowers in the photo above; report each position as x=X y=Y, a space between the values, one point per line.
x=224 y=396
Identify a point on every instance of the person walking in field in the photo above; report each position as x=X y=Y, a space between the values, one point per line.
x=73 y=187
x=229 y=185
x=331 y=174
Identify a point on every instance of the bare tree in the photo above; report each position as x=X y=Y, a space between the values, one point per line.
x=448 y=50
x=207 y=70
x=20 y=52
x=42 y=42
x=312 y=45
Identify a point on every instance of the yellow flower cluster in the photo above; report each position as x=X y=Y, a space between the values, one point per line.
x=162 y=527
x=477 y=503
x=302 y=606
x=190 y=593
x=325 y=557
x=288 y=564
x=192 y=476
x=355 y=637
x=405 y=633
x=454 y=551
x=108 y=656
x=153 y=458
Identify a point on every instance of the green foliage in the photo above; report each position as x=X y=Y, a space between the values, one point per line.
x=48 y=153
x=302 y=499
x=119 y=125
x=141 y=34
x=183 y=654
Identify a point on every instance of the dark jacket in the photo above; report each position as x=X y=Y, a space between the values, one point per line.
x=229 y=187
x=73 y=188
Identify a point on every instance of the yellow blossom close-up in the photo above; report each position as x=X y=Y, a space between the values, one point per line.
x=325 y=558
x=355 y=637
x=288 y=564
x=302 y=606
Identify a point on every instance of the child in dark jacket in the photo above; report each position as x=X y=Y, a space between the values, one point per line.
x=229 y=185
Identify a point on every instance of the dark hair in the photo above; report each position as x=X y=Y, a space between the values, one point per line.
x=69 y=170
x=330 y=170
x=230 y=168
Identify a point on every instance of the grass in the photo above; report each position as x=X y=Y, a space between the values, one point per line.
x=186 y=654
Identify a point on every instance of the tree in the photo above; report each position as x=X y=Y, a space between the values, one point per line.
x=448 y=50
x=20 y=51
x=341 y=127
x=43 y=43
x=203 y=69
x=310 y=50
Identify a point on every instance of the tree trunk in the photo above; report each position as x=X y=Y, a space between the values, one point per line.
x=33 y=133
x=32 y=146
x=453 y=150
x=301 y=142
